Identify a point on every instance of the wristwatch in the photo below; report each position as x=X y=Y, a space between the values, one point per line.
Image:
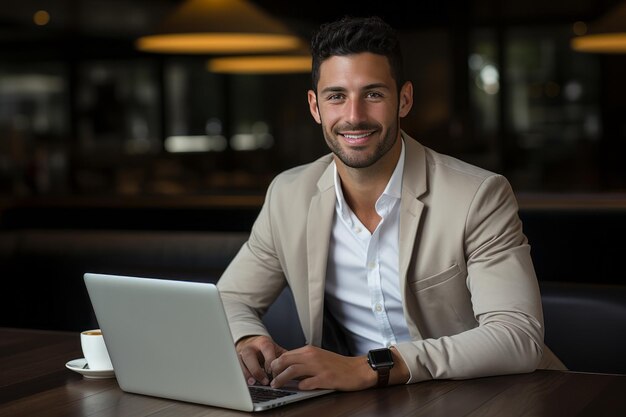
x=381 y=360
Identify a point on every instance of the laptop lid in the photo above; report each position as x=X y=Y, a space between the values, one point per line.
x=171 y=339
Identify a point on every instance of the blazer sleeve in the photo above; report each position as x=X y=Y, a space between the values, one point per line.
x=253 y=279
x=504 y=294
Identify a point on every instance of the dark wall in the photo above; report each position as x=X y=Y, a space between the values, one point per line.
x=577 y=245
x=567 y=244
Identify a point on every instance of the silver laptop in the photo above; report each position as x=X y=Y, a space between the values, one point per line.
x=171 y=339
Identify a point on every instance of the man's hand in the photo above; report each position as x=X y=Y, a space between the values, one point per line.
x=256 y=353
x=318 y=368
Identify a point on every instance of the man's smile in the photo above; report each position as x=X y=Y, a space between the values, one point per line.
x=356 y=138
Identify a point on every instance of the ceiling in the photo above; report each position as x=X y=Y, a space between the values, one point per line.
x=131 y=18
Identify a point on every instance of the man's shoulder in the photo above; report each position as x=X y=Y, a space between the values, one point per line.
x=306 y=175
x=440 y=174
x=454 y=166
x=434 y=163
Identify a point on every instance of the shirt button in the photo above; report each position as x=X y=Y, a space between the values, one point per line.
x=371 y=265
x=378 y=307
x=357 y=229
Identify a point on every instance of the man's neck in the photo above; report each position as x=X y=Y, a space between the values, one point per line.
x=362 y=187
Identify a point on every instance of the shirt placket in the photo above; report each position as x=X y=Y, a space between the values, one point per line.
x=374 y=283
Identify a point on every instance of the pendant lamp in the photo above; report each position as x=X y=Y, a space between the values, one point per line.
x=219 y=27
x=261 y=64
x=606 y=35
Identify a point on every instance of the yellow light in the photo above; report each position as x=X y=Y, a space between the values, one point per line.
x=605 y=35
x=612 y=43
x=41 y=17
x=271 y=64
x=219 y=27
x=222 y=43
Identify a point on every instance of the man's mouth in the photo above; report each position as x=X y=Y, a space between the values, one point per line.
x=356 y=138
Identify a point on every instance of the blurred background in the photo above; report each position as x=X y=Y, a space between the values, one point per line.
x=119 y=157
x=85 y=113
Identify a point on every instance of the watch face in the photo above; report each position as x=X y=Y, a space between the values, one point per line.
x=380 y=357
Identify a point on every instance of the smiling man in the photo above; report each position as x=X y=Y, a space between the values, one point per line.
x=418 y=259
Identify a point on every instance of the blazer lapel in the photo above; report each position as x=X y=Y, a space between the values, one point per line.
x=414 y=185
x=319 y=225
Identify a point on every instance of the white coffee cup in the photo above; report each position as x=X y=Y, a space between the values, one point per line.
x=95 y=350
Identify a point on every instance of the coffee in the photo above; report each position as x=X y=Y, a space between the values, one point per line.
x=93 y=332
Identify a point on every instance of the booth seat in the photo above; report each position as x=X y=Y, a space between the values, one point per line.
x=585 y=325
x=42 y=270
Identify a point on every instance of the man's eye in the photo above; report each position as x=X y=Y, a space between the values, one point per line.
x=335 y=97
x=374 y=94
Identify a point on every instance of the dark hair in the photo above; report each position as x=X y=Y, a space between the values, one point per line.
x=353 y=35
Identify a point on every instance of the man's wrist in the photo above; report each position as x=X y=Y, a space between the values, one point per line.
x=381 y=361
x=246 y=339
x=370 y=375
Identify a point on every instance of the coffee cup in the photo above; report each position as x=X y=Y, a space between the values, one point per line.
x=95 y=350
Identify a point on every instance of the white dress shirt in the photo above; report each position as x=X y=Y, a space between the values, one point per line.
x=362 y=282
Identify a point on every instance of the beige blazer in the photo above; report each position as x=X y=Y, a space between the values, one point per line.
x=470 y=294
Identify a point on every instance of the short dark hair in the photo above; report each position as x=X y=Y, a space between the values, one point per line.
x=353 y=35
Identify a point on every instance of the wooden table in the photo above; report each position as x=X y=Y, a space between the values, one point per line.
x=35 y=382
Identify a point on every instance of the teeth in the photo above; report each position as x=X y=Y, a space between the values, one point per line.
x=356 y=136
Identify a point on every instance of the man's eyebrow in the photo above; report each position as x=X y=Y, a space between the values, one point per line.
x=376 y=85
x=367 y=87
x=333 y=90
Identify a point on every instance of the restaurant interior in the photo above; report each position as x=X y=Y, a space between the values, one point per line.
x=119 y=157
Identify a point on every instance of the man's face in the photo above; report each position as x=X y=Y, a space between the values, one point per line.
x=358 y=107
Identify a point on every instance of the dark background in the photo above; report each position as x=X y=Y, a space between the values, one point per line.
x=82 y=112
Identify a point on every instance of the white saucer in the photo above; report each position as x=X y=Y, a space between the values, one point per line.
x=80 y=366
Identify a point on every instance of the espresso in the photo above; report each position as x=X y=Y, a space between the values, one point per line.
x=93 y=333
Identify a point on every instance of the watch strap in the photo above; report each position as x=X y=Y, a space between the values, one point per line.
x=383 y=376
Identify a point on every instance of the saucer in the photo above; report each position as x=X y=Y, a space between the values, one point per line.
x=80 y=366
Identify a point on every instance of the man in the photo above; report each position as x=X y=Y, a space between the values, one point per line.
x=418 y=257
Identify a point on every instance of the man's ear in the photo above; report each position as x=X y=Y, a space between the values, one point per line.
x=313 y=108
x=406 y=99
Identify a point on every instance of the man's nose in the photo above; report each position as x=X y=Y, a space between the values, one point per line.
x=356 y=111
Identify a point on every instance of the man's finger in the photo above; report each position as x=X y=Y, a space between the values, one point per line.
x=251 y=362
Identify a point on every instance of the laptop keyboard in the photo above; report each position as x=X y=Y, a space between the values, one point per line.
x=264 y=394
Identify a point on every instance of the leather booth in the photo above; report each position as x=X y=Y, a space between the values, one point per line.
x=43 y=288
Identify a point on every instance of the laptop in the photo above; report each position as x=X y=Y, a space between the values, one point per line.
x=171 y=339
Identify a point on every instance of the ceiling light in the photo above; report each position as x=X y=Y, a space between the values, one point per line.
x=606 y=35
x=219 y=27
x=266 y=64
